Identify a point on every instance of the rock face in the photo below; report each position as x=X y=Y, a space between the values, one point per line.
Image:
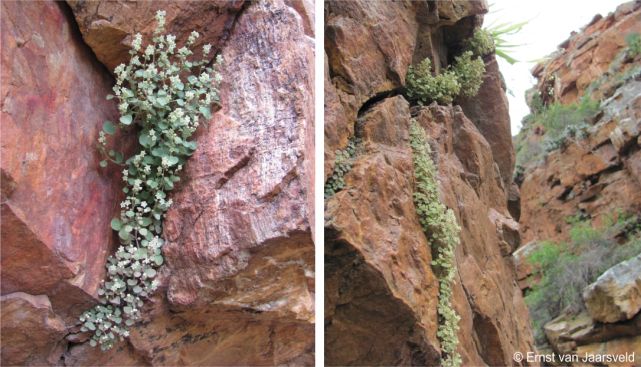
x=601 y=174
x=381 y=292
x=587 y=55
x=237 y=287
x=616 y=295
x=108 y=26
x=32 y=333
x=56 y=202
x=594 y=177
x=581 y=334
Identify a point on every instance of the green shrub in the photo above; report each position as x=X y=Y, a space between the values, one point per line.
x=567 y=268
x=469 y=73
x=577 y=132
x=423 y=87
x=464 y=77
x=442 y=231
x=633 y=41
x=481 y=43
x=556 y=117
x=342 y=165
x=159 y=95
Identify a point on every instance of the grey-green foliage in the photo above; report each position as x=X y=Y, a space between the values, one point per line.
x=469 y=72
x=424 y=87
x=633 y=41
x=342 y=165
x=570 y=132
x=442 y=231
x=566 y=268
x=481 y=43
x=561 y=124
x=164 y=94
x=463 y=77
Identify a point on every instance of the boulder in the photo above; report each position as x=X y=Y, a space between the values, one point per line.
x=616 y=294
x=108 y=26
x=32 y=334
x=569 y=332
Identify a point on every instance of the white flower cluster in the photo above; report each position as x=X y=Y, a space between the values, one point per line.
x=165 y=94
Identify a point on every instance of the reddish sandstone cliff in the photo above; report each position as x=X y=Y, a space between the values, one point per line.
x=594 y=177
x=381 y=292
x=238 y=281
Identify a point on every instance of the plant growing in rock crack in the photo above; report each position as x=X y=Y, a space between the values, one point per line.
x=442 y=231
x=163 y=93
x=464 y=77
x=342 y=165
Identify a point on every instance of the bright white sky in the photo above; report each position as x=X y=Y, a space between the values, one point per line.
x=550 y=23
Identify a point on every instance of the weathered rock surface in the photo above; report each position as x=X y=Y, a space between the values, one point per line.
x=56 y=201
x=380 y=289
x=568 y=332
x=381 y=293
x=587 y=55
x=597 y=176
x=616 y=294
x=239 y=273
x=628 y=349
x=237 y=287
x=108 y=26
x=489 y=112
x=32 y=334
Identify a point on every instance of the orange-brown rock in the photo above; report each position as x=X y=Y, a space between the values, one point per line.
x=238 y=281
x=237 y=287
x=367 y=59
x=108 y=26
x=587 y=55
x=381 y=292
x=626 y=350
x=56 y=201
x=489 y=112
x=32 y=334
x=593 y=176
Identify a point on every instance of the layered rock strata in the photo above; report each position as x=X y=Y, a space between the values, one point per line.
x=381 y=292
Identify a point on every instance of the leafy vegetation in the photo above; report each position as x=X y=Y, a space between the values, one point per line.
x=556 y=117
x=442 y=231
x=481 y=43
x=163 y=94
x=499 y=33
x=633 y=41
x=463 y=77
x=565 y=269
x=342 y=165
x=469 y=73
x=560 y=123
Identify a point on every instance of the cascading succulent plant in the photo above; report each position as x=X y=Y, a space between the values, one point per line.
x=162 y=95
